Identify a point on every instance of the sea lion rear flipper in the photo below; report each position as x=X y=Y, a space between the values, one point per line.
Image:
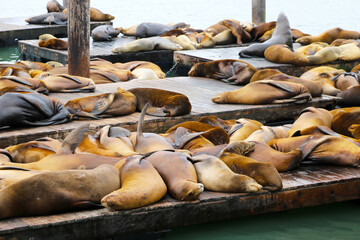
x=103 y=104
x=139 y=132
x=182 y=137
x=73 y=139
x=118 y=132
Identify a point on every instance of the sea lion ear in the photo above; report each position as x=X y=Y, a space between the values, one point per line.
x=73 y=139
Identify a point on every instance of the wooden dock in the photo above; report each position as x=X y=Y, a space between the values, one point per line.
x=309 y=185
x=199 y=91
x=189 y=58
x=17 y=28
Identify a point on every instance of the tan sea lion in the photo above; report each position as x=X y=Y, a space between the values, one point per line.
x=57 y=44
x=310 y=117
x=217 y=176
x=141 y=185
x=325 y=55
x=343 y=118
x=242 y=36
x=218 y=122
x=217 y=28
x=68 y=83
x=339 y=42
x=225 y=37
x=312 y=48
x=121 y=102
x=184 y=42
x=33 y=151
x=133 y=65
x=323 y=75
x=95 y=15
x=329 y=36
x=282 y=35
x=227 y=70
x=294 y=32
x=265 y=134
x=349 y=51
x=178 y=174
x=14 y=71
x=10 y=175
x=162 y=103
x=57 y=192
x=5 y=156
x=281 y=53
x=243 y=129
x=54 y=6
x=34 y=84
x=355 y=130
x=144 y=73
x=35 y=65
x=266 y=92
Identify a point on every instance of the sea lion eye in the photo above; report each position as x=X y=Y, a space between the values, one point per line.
x=324 y=75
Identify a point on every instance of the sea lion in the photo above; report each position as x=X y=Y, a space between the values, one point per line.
x=95 y=15
x=144 y=73
x=33 y=151
x=228 y=70
x=68 y=83
x=121 y=102
x=54 y=6
x=345 y=80
x=224 y=38
x=343 y=118
x=349 y=51
x=323 y=75
x=184 y=42
x=266 y=92
x=14 y=71
x=281 y=35
x=281 y=53
x=339 y=42
x=217 y=28
x=355 y=131
x=178 y=173
x=261 y=28
x=34 y=84
x=148 y=29
x=265 y=134
x=350 y=97
x=55 y=43
x=148 y=44
x=217 y=176
x=329 y=36
x=34 y=65
x=48 y=18
x=242 y=36
x=180 y=31
x=312 y=48
x=310 y=117
x=243 y=129
x=141 y=185
x=162 y=103
x=133 y=65
x=325 y=55
x=233 y=155
x=31 y=109
x=58 y=191
x=104 y=33
x=11 y=175
x=218 y=122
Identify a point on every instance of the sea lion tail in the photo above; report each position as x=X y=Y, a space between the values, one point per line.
x=139 y=132
x=73 y=139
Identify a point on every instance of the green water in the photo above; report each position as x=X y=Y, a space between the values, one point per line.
x=9 y=54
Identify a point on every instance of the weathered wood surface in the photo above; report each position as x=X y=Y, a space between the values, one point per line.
x=308 y=186
x=17 y=28
x=199 y=91
x=190 y=57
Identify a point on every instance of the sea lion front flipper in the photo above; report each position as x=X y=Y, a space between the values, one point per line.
x=118 y=132
x=299 y=99
x=235 y=128
x=279 y=85
x=17 y=79
x=70 y=77
x=108 y=75
x=103 y=104
x=156 y=111
x=73 y=139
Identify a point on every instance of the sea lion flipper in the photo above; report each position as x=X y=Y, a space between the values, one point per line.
x=70 y=77
x=118 y=132
x=235 y=128
x=279 y=85
x=108 y=75
x=73 y=139
x=103 y=104
x=156 y=111
x=239 y=147
x=139 y=132
x=17 y=79
x=183 y=136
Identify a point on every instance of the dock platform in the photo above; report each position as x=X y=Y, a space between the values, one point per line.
x=309 y=185
x=198 y=90
x=17 y=28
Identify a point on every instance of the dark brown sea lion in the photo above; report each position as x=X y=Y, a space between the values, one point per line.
x=141 y=185
x=350 y=97
x=31 y=109
x=148 y=29
x=54 y=43
x=68 y=83
x=162 y=103
x=261 y=28
x=54 y=6
x=217 y=176
x=228 y=70
x=282 y=35
x=343 y=118
x=48 y=18
x=266 y=92
x=237 y=30
x=343 y=81
x=121 y=102
x=281 y=53
x=329 y=36
x=104 y=33
x=57 y=192
x=178 y=173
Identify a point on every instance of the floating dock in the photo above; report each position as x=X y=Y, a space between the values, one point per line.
x=309 y=185
x=12 y=29
x=198 y=90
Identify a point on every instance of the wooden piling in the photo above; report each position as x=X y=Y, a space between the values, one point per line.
x=65 y=3
x=258 y=11
x=79 y=37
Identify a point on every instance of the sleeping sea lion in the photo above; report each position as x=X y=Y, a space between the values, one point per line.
x=312 y=48
x=58 y=191
x=339 y=42
x=133 y=65
x=33 y=84
x=343 y=118
x=266 y=92
x=281 y=35
x=349 y=51
x=121 y=102
x=148 y=44
x=243 y=128
x=141 y=185
x=218 y=122
x=54 y=43
x=281 y=53
x=265 y=134
x=224 y=38
x=345 y=80
x=162 y=103
x=35 y=65
x=228 y=70
x=242 y=36
x=325 y=55
x=217 y=28
x=54 y=6
x=144 y=73
x=68 y=83
x=350 y=97
x=10 y=175
x=329 y=36
x=148 y=29
x=294 y=32
x=95 y=15
x=261 y=28
x=217 y=176
x=184 y=42
x=49 y=18
x=179 y=174
x=104 y=33
x=14 y=71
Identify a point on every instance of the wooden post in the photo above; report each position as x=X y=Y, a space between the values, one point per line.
x=65 y=3
x=258 y=11
x=79 y=37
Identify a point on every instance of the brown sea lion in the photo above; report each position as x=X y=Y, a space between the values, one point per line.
x=35 y=65
x=310 y=117
x=133 y=65
x=242 y=36
x=282 y=35
x=57 y=44
x=101 y=76
x=148 y=44
x=355 y=130
x=233 y=155
x=243 y=129
x=225 y=37
x=180 y=31
x=54 y=6
x=228 y=70
x=104 y=33
x=261 y=28
x=266 y=92
x=58 y=191
x=343 y=118
x=178 y=173
x=34 y=84
x=294 y=32
x=205 y=40
x=217 y=28
x=14 y=71
x=265 y=134
x=95 y=15
x=162 y=103
x=350 y=96
x=339 y=42
x=141 y=185
x=345 y=80
x=329 y=36
x=68 y=83
x=218 y=122
x=323 y=75
x=121 y=102
x=281 y=53
x=49 y=18
x=217 y=176
x=33 y=151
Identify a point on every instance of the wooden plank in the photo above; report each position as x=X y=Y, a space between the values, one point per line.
x=313 y=185
x=200 y=92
